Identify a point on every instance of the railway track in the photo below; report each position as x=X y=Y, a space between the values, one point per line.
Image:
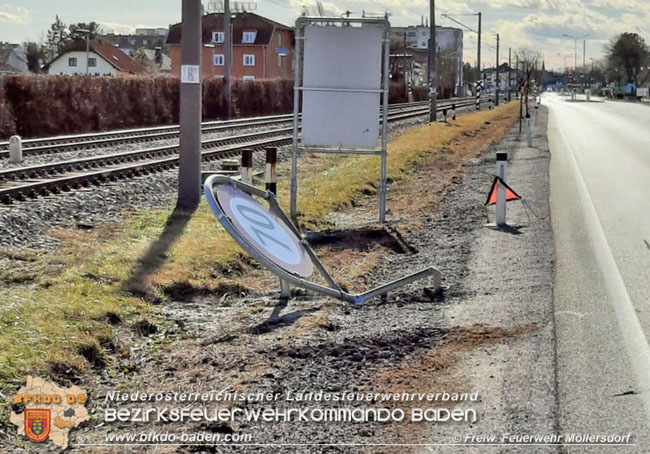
x=25 y=183
x=48 y=145
x=57 y=144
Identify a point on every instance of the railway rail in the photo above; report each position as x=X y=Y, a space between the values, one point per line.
x=25 y=183
x=56 y=144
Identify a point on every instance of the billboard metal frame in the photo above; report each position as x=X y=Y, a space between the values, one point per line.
x=299 y=88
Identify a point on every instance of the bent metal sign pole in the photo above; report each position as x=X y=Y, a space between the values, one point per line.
x=268 y=235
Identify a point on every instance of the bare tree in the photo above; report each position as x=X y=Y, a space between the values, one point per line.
x=530 y=62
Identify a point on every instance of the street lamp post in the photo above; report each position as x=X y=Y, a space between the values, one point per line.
x=575 y=48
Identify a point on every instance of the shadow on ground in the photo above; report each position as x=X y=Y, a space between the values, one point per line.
x=156 y=255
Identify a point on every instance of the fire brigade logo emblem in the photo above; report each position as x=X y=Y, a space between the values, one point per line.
x=37 y=424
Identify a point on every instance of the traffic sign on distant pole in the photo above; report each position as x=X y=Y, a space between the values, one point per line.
x=189 y=172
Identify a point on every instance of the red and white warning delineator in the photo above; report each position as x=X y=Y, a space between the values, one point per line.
x=492 y=195
x=268 y=235
x=499 y=194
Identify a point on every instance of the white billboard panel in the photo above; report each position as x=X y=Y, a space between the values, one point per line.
x=341 y=58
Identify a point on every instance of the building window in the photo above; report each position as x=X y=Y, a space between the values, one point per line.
x=249 y=77
x=249 y=37
x=218 y=60
x=144 y=42
x=411 y=34
x=132 y=41
x=92 y=62
x=217 y=37
x=249 y=60
x=72 y=61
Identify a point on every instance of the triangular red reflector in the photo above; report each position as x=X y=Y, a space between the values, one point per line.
x=492 y=195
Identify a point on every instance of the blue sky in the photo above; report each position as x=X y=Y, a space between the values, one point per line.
x=536 y=24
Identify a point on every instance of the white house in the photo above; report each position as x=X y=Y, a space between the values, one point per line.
x=102 y=60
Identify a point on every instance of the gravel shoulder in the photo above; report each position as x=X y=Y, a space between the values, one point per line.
x=509 y=285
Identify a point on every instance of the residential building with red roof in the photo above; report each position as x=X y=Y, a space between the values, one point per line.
x=104 y=59
x=261 y=48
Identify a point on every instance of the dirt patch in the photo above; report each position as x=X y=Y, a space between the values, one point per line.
x=361 y=240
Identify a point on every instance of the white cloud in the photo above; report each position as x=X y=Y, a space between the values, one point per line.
x=14 y=14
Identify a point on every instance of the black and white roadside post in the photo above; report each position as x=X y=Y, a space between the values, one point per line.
x=536 y=110
x=502 y=164
x=247 y=166
x=271 y=185
x=270 y=174
x=189 y=165
x=453 y=111
x=478 y=94
x=15 y=150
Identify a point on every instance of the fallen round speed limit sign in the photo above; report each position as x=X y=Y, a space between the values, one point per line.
x=269 y=236
x=264 y=231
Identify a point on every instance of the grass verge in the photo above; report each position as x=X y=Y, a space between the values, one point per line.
x=60 y=313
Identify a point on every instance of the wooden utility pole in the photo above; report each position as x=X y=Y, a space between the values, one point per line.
x=227 y=42
x=509 y=72
x=433 y=76
x=496 y=100
x=189 y=166
x=478 y=52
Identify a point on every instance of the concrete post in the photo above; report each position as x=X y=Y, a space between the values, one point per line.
x=502 y=164
x=529 y=132
x=270 y=175
x=247 y=166
x=189 y=164
x=15 y=150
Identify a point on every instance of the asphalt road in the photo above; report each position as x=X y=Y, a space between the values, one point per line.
x=600 y=209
